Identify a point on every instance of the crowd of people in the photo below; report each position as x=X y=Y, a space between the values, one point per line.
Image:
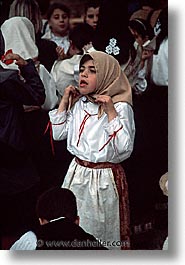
x=83 y=122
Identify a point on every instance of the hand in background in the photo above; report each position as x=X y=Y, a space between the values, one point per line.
x=9 y=57
x=60 y=53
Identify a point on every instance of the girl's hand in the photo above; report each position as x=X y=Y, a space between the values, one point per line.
x=108 y=106
x=70 y=90
x=69 y=93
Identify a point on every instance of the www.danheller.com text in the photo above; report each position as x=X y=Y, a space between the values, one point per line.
x=84 y=243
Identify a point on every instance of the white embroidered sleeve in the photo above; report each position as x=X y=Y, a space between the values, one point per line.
x=121 y=131
x=59 y=124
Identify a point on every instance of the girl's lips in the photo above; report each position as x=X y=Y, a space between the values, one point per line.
x=62 y=26
x=83 y=84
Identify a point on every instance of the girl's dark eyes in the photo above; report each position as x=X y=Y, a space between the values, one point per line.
x=90 y=16
x=90 y=70
x=57 y=17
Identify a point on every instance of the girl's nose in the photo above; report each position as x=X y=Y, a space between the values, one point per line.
x=61 y=18
x=84 y=73
x=95 y=18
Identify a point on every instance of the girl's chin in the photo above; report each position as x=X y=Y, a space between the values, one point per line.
x=82 y=92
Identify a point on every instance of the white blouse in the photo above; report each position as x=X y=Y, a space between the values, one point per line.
x=60 y=41
x=93 y=139
x=160 y=65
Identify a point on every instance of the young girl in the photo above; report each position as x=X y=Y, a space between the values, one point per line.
x=91 y=13
x=100 y=130
x=58 y=20
x=140 y=61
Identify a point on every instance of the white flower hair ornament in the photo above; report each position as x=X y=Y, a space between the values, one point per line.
x=112 y=48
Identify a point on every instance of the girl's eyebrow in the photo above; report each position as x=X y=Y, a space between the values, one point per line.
x=91 y=66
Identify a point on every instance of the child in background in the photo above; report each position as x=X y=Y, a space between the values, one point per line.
x=21 y=30
x=18 y=176
x=66 y=72
x=59 y=225
x=58 y=19
x=92 y=13
x=31 y=10
x=100 y=130
x=140 y=62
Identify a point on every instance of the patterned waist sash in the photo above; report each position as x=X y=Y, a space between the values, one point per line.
x=99 y=165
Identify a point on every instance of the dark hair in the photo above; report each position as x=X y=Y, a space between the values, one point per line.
x=60 y=6
x=57 y=202
x=92 y=3
x=2 y=44
x=29 y=9
x=163 y=19
x=81 y=35
x=43 y=5
x=84 y=59
x=142 y=27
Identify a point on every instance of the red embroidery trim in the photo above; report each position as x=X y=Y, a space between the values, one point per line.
x=87 y=116
x=110 y=137
x=49 y=126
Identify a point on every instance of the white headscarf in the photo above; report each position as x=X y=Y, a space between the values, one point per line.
x=19 y=35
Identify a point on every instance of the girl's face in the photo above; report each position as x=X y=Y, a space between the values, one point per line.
x=138 y=37
x=91 y=16
x=59 y=22
x=87 y=78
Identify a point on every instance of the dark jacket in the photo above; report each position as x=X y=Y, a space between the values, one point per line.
x=47 y=52
x=63 y=234
x=14 y=93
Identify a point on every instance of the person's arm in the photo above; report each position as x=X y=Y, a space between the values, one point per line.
x=29 y=91
x=59 y=117
x=120 y=133
x=65 y=103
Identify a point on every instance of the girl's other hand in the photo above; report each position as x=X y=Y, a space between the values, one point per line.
x=108 y=106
